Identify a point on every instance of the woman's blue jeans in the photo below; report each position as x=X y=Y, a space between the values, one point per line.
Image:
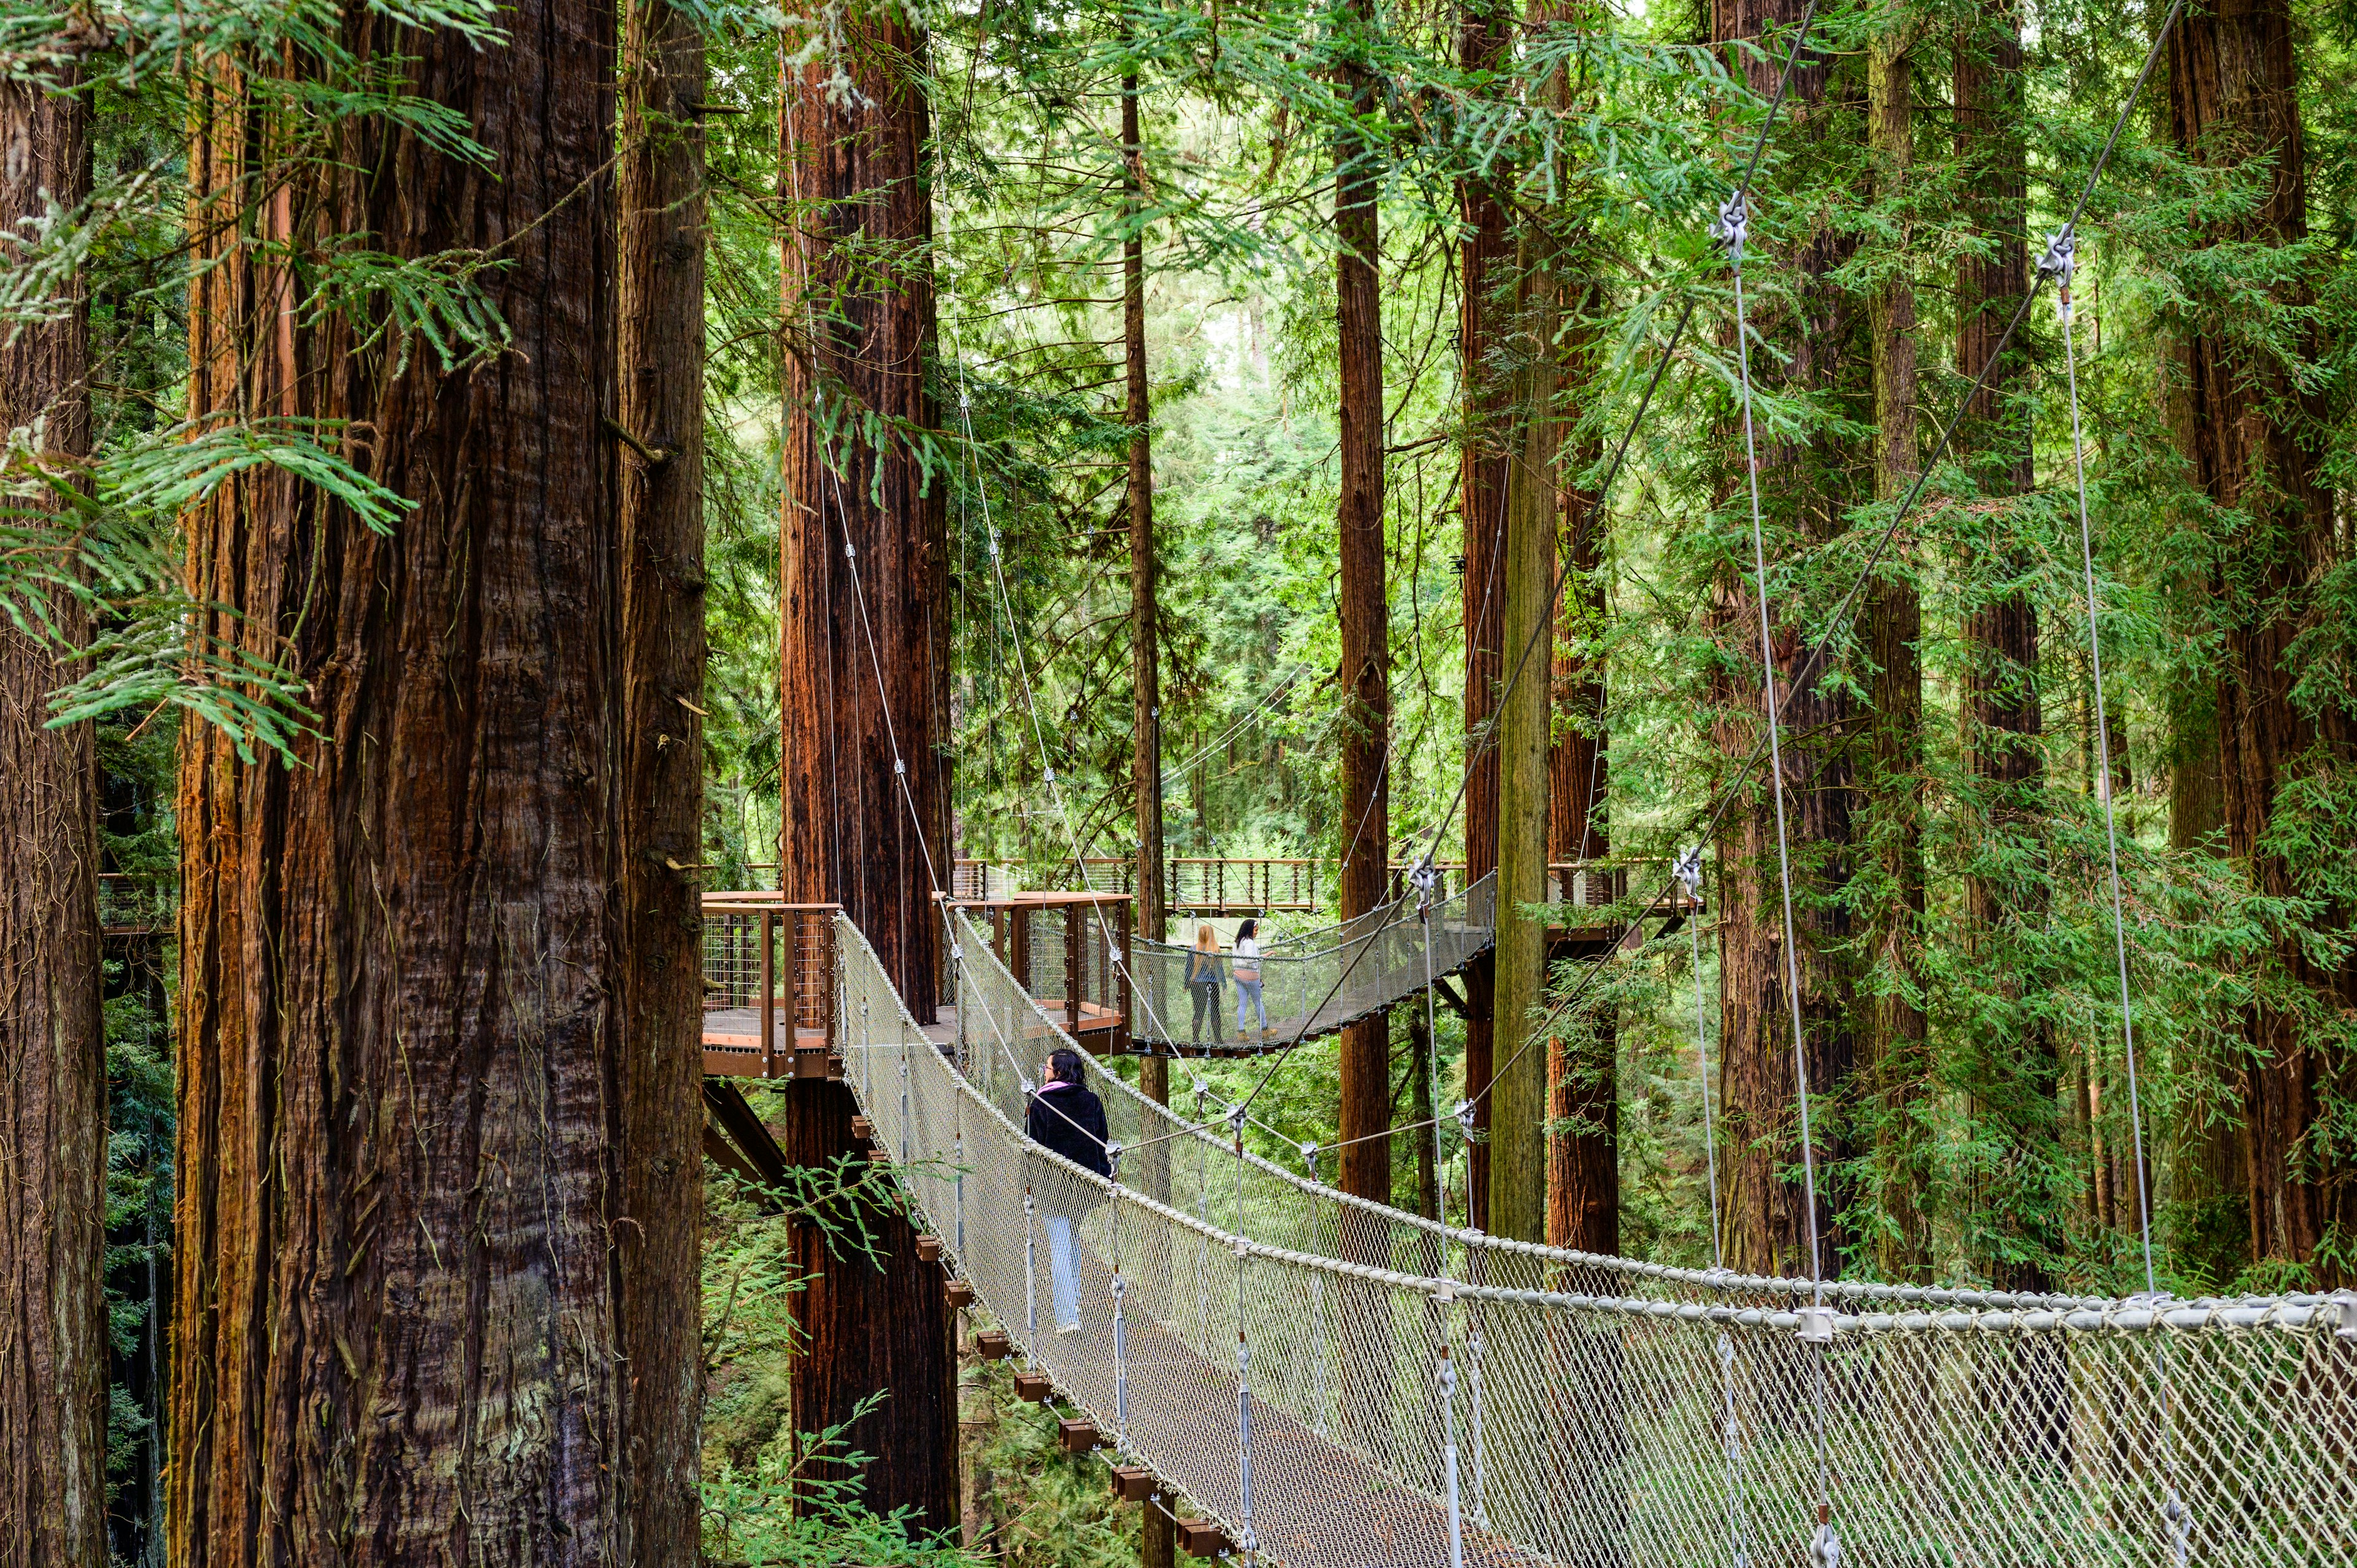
x=1059 y=1267
x=1248 y=996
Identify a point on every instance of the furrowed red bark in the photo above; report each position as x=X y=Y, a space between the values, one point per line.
x=1582 y=1190
x=1804 y=493
x=1366 y=1165
x=863 y=655
x=863 y=636
x=660 y=327
x=2234 y=99
x=1483 y=259
x=53 y=1342
x=396 y=1327
x=869 y=1326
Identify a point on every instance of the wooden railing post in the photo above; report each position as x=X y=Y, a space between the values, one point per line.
x=768 y=1011
x=1123 y=984
x=1076 y=967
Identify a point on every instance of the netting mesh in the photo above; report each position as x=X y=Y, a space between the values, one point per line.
x=1602 y=1412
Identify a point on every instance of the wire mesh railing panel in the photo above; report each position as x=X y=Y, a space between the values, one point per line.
x=1602 y=1414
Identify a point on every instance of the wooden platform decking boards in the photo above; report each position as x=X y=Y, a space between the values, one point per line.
x=732 y=1043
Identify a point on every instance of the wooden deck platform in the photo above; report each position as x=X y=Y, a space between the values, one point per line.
x=732 y=1043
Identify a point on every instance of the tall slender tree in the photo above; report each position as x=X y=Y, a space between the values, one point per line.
x=1365 y=606
x=1484 y=256
x=2015 y=1068
x=52 y=1038
x=1892 y=1048
x=659 y=325
x=1156 y=1538
x=864 y=541
x=1805 y=487
x=1518 y=1175
x=1532 y=508
x=397 y=1316
x=1583 y=1191
x=2233 y=81
x=1144 y=665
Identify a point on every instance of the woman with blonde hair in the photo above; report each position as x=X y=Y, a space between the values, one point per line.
x=1204 y=969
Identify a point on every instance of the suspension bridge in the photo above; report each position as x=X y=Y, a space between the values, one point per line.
x=1318 y=1380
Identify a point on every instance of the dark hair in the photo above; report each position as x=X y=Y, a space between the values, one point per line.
x=1066 y=1062
x=1247 y=929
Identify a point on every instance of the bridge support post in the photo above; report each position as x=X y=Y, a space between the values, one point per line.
x=769 y=1009
x=1030 y=1284
x=1449 y=1447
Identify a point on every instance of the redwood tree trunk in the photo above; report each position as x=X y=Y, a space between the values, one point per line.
x=873 y=1324
x=1583 y=1209
x=1892 y=1049
x=862 y=658
x=2232 y=95
x=1366 y=652
x=1482 y=262
x=1146 y=676
x=660 y=328
x=863 y=643
x=52 y=1039
x=2014 y=1065
x=1805 y=490
x=397 y=1320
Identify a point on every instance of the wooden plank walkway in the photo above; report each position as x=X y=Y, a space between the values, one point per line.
x=1317 y=1502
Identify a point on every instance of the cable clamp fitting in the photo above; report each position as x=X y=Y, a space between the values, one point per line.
x=1816 y=1324
x=1465 y=1118
x=1236 y=1119
x=2059 y=262
x=1309 y=1159
x=1824 y=1549
x=2062 y=257
x=1734 y=226
x=1113 y=1158
x=1688 y=870
x=2347 y=1302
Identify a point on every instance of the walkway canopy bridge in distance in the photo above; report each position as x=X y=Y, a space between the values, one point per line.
x=1337 y=1384
x=1314 y=982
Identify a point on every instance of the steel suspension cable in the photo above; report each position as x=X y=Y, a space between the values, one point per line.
x=2060 y=261
x=1734 y=223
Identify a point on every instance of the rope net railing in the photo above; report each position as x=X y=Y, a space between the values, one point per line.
x=1238 y=1322
x=1314 y=984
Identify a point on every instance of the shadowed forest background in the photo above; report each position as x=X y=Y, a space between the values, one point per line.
x=246 y=241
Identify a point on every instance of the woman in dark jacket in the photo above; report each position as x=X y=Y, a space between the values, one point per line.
x=1068 y=1118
